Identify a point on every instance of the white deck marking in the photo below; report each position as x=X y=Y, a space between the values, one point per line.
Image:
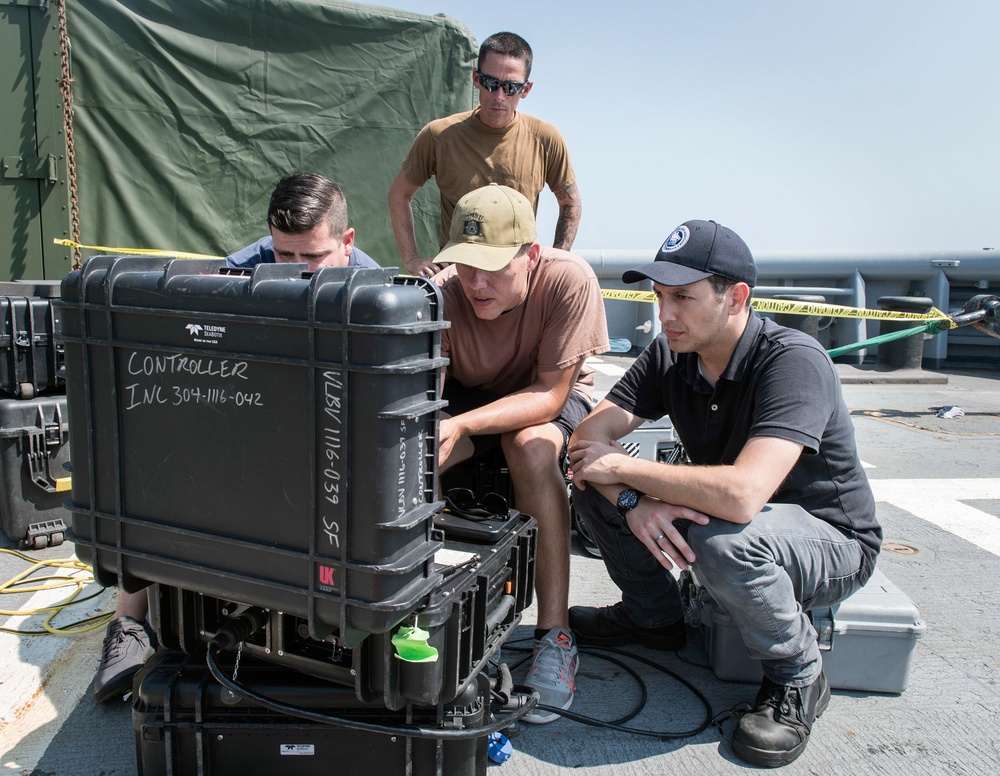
x=940 y=502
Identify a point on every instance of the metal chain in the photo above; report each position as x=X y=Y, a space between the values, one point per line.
x=239 y=654
x=65 y=86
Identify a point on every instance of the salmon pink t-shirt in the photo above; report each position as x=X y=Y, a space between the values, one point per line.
x=560 y=322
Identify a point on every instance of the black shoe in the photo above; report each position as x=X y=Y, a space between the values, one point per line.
x=777 y=730
x=127 y=645
x=610 y=626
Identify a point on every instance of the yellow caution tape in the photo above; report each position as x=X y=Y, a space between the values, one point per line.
x=841 y=311
x=797 y=308
x=761 y=305
x=137 y=251
x=628 y=296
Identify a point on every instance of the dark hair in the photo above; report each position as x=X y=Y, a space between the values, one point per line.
x=508 y=44
x=720 y=285
x=301 y=201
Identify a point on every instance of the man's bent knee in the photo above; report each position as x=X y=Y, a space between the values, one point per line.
x=534 y=446
x=717 y=544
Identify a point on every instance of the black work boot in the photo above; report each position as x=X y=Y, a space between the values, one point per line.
x=610 y=626
x=777 y=730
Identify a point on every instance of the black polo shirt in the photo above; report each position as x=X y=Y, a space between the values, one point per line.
x=779 y=383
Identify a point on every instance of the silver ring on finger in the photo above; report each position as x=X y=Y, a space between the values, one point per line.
x=657 y=539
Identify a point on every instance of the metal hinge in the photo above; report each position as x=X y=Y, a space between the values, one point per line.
x=31 y=168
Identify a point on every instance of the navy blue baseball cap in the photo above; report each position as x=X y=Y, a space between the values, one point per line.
x=694 y=251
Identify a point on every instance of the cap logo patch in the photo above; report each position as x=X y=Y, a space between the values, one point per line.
x=676 y=240
x=472 y=225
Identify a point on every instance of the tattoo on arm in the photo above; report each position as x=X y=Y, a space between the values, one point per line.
x=570 y=210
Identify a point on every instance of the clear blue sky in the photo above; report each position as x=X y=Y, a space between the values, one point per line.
x=855 y=124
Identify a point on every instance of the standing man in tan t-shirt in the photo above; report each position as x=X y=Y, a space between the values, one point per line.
x=491 y=144
x=523 y=320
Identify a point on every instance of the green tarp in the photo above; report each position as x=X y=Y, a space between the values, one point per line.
x=187 y=113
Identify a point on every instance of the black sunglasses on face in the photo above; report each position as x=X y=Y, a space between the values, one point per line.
x=491 y=84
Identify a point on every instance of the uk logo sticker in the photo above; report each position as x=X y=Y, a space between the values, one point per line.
x=327 y=582
x=676 y=240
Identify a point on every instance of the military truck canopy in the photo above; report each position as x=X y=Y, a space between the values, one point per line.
x=186 y=114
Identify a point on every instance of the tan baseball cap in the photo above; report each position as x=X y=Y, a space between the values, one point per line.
x=488 y=228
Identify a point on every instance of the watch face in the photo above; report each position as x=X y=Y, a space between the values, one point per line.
x=627 y=500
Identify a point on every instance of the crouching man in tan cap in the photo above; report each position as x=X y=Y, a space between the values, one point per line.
x=523 y=320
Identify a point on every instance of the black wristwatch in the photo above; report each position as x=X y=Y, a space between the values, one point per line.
x=628 y=499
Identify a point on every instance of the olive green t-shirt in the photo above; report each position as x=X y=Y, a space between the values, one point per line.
x=463 y=154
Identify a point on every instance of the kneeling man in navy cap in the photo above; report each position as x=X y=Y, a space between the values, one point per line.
x=759 y=410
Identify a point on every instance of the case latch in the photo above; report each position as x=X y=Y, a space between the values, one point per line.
x=51 y=436
x=823 y=623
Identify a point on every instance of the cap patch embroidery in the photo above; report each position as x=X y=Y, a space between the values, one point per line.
x=676 y=240
x=472 y=226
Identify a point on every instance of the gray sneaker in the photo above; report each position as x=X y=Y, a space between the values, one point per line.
x=127 y=645
x=553 y=674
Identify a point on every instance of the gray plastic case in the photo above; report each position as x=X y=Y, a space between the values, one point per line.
x=867 y=640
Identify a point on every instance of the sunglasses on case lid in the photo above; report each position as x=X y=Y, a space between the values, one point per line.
x=463 y=502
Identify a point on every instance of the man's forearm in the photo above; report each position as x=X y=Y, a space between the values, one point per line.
x=610 y=492
x=570 y=211
x=566 y=227
x=721 y=490
x=401 y=194
x=401 y=213
x=511 y=413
